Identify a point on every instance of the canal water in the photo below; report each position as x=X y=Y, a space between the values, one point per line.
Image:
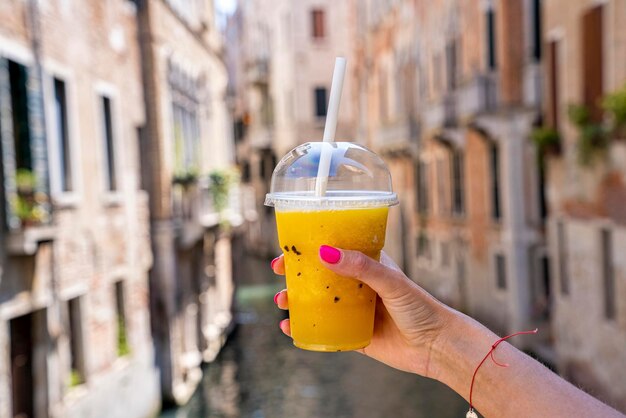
x=260 y=374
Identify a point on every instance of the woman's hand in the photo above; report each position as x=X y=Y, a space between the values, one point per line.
x=408 y=320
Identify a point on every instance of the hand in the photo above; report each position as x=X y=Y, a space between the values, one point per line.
x=408 y=320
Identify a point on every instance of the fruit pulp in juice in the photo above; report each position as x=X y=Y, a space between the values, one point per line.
x=329 y=312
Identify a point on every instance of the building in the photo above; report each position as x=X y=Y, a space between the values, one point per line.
x=74 y=237
x=186 y=153
x=585 y=52
x=451 y=108
x=282 y=69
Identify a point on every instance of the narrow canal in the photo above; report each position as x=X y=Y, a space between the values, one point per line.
x=260 y=374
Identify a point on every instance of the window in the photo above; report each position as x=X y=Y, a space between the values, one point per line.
x=77 y=373
x=317 y=24
x=109 y=144
x=423 y=246
x=185 y=91
x=123 y=347
x=458 y=182
x=592 y=62
x=608 y=275
x=562 y=251
x=500 y=262
x=422 y=186
x=545 y=284
x=320 y=102
x=553 y=81
x=536 y=30
x=451 y=64
x=64 y=162
x=494 y=162
x=18 y=75
x=491 y=39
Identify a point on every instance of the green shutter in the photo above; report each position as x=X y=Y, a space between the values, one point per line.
x=8 y=145
x=38 y=145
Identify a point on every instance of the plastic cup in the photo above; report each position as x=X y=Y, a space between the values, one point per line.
x=329 y=312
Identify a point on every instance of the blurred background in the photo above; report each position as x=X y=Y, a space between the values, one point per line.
x=138 y=139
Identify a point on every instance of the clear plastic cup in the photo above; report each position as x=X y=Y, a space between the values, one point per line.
x=329 y=312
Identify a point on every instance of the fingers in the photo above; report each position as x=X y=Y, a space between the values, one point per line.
x=385 y=279
x=281 y=300
x=278 y=265
x=285 y=327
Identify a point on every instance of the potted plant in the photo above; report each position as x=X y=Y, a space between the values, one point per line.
x=185 y=177
x=219 y=186
x=592 y=140
x=615 y=105
x=547 y=140
x=27 y=205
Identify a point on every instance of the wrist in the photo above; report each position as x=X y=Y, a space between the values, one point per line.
x=458 y=349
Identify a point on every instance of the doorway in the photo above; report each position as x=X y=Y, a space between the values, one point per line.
x=21 y=330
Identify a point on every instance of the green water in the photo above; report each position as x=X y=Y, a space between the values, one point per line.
x=259 y=374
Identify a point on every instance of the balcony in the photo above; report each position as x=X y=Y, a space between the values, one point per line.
x=27 y=211
x=397 y=136
x=480 y=96
x=239 y=206
x=258 y=70
x=442 y=114
x=197 y=206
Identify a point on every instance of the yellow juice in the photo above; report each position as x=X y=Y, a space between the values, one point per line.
x=329 y=312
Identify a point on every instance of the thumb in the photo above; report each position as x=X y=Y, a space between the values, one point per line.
x=387 y=282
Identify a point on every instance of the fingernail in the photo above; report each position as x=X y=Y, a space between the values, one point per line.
x=276 y=298
x=274 y=262
x=282 y=323
x=330 y=254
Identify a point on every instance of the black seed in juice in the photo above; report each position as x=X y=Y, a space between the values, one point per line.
x=327 y=287
x=337 y=298
x=338 y=350
x=313 y=325
x=370 y=300
x=286 y=247
x=299 y=274
x=295 y=250
x=360 y=285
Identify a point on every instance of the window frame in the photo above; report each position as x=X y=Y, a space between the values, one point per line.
x=495 y=182
x=60 y=197
x=501 y=280
x=104 y=89
x=317 y=89
x=609 y=286
x=314 y=13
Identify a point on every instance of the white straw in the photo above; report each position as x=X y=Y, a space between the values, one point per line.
x=330 y=128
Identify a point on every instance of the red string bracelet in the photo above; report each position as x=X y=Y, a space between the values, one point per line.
x=490 y=354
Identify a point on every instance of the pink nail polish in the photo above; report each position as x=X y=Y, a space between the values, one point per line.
x=330 y=254
x=276 y=298
x=274 y=262
x=282 y=323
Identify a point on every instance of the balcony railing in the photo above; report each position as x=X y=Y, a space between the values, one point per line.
x=433 y=116
x=258 y=70
x=478 y=97
x=393 y=135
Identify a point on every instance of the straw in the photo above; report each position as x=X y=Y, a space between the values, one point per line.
x=331 y=126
